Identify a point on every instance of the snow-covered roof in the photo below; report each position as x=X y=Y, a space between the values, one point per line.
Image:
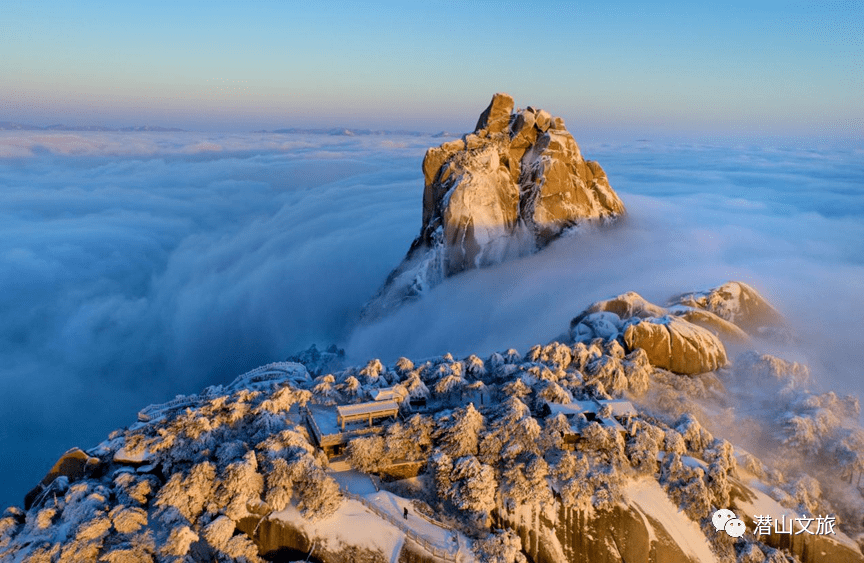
x=573 y=407
x=389 y=394
x=620 y=407
x=366 y=408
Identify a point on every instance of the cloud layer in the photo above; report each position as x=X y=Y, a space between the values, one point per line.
x=137 y=266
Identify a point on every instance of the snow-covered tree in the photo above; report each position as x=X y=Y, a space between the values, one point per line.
x=280 y=484
x=403 y=366
x=555 y=427
x=517 y=388
x=219 y=534
x=695 y=435
x=502 y=546
x=511 y=432
x=475 y=367
x=319 y=495
x=325 y=391
x=608 y=371
x=351 y=387
x=473 y=488
x=189 y=495
x=239 y=485
x=603 y=445
x=441 y=467
x=512 y=356
x=178 y=542
x=643 y=446
x=458 y=433
x=367 y=454
x=553 y=393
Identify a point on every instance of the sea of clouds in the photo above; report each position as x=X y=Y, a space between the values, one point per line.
x=134 y=267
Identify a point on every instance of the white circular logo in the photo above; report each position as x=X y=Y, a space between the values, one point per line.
x=721 y=517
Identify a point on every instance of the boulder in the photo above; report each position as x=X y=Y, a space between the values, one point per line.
x=625 y=306
x=676 y=345
x=73 y=465
x=505 y=190
x=727 y=331
x=735 y=302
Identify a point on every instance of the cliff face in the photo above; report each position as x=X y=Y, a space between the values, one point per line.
x=509 y=188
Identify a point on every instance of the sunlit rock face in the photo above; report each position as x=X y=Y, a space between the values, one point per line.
x=737 y=303
x=509 y=188
x=688 y=336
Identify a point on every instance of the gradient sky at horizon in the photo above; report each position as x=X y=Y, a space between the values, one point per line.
x=619 y=68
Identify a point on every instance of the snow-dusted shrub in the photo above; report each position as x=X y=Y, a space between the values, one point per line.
x=502 y=546
x=189 y=495
x=128 y=520
x=179 y=540
x=282 y=400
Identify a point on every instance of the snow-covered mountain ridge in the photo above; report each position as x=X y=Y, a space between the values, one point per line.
x=541 y=447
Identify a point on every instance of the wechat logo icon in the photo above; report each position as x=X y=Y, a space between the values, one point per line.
x=724 y=519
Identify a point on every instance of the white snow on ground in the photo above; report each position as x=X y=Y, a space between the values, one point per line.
x=438 y=537
x=766 y=506
x=352 y=524
x=650 y=497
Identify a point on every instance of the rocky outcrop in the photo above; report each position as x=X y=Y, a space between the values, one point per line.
x=507 y=189
x=735 y=302
x=72 y=465
x=686 y=337
x=677 y=345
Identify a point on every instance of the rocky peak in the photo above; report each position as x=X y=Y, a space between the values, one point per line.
x=507 y=189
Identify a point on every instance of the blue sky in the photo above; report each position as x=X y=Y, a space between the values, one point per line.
x=733 y=68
